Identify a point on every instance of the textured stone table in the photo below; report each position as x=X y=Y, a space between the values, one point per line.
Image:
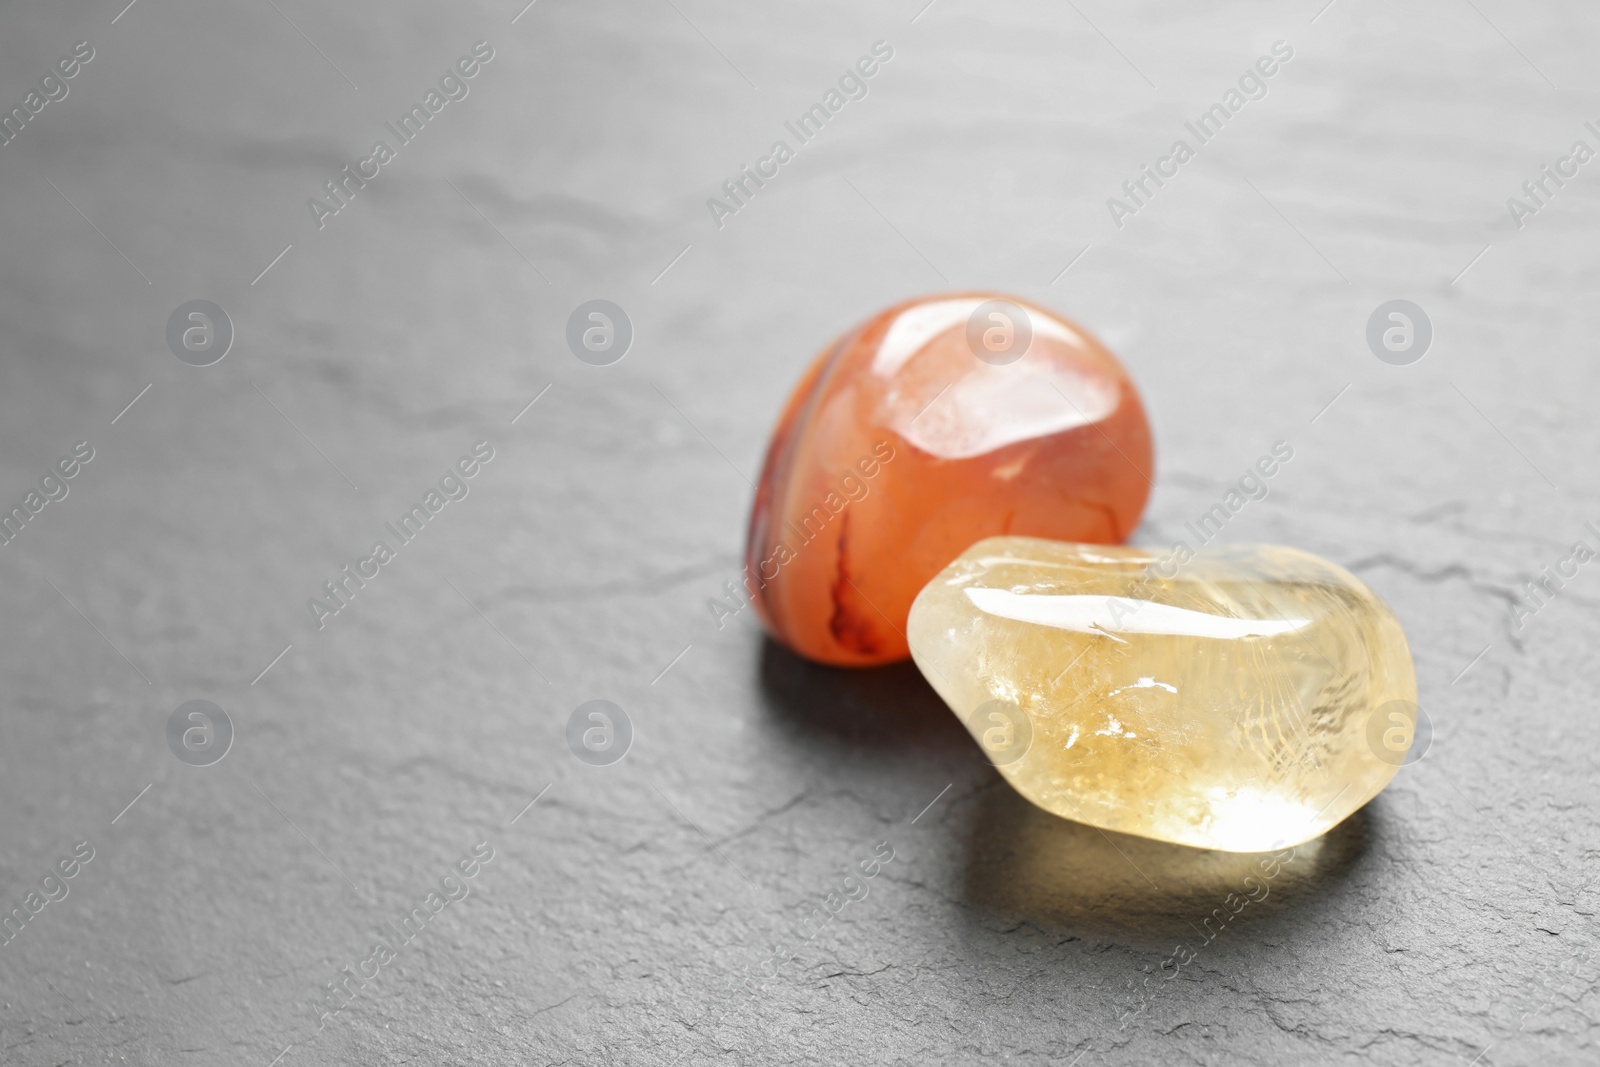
x=634 y=912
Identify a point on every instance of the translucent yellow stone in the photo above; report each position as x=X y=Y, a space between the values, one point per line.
x=1242 y=699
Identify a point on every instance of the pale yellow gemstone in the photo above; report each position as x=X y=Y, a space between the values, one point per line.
x=1245 y=699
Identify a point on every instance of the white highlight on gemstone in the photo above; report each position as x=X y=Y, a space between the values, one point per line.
x=1119 y=614
x=982 y=412
x=1144 y=683
x=985 y=412
x=1252 y=820
x=914 y=328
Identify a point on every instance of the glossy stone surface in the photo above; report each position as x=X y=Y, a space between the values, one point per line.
x=901 y=446
x=1243 y=699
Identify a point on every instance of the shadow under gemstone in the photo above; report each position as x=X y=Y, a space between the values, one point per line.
x=1024 y=863
x=1020 y=862
x=890 y=707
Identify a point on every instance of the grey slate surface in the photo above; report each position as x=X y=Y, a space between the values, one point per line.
x=1452 y=921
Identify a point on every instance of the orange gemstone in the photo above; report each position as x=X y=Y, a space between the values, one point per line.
x=930 y=426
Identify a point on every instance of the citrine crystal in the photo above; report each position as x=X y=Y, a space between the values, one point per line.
x=935 y=423
x=1242 y=699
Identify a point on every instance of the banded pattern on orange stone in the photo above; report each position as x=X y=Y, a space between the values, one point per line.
x=900 y=447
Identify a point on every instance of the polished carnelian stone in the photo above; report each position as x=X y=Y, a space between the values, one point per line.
x=900 y=447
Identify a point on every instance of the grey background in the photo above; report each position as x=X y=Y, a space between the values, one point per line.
x=1449 y=922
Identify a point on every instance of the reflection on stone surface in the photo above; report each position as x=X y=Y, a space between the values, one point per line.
x=1226 y=701
x=902 y=445
x=1025 y=864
